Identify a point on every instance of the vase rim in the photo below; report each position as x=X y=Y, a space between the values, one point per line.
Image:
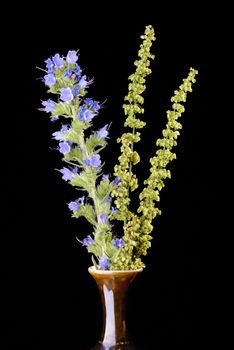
x=92 y=268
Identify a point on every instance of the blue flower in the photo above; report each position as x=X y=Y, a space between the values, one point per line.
x=109 y=199
x=54 y=118
x=92 y=104
x=118 y=243
x=104 y=263
x=68 y=174
x=49 y=65
x=64 y=147
x=82 y=83
x=58 y=61
x=75 y=91
x=75 y=205
x=94 y=161
x=49 y=79
x=59 y=135
x=81 y=200
x=85 y=114
x=116 y=180
x=68 y=73
x=102 y=218
x=113 y=211
x=105 y=177
x=49 y=106
x=103 y=132
x=66 y=95
x=88 y=241
x=78 y=71
x=71 y=57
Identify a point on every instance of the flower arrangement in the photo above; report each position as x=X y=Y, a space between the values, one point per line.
x=106 y=199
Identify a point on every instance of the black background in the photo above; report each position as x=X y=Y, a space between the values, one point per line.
x=49 y=300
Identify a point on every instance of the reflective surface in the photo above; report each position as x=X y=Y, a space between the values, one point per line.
x=113 y=286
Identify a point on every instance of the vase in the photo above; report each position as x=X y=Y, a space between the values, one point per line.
x=113 y=287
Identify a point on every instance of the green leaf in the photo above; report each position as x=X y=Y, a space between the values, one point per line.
x=62 y=108
x=83 y=180
x=74 y=154
x=71 y=135
x=87 y=211
x=94 y=262
x=104 y=189
x=95 y=141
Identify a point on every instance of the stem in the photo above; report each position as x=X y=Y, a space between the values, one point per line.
x=95 y=201
x=132 y=147
x=71 y=163
x=92 y=192
x=130 y=167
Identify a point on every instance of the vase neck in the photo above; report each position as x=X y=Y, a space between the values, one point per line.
x=113 y=304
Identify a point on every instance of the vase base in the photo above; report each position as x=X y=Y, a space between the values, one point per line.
x=120 y=346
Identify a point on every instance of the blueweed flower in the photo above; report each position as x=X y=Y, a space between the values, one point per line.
x=82 y=83
x=105 y=177
x=116 y=181
x=85 y=114
x=68 y=73
x=71 y=57
x=73 y=206
x=64 y=147
x=58 y=61
x=81 y=200
x=113 y=211
x=75 y=91
x=109 y=199
x=66 y=95
x=49 y=79
x=54 y=118
x=49 y=65
x=94 y=161
x=88 y=241
x=118 y=243
x=104 y=263
x=103 y=132
x=49 y=106
x=102 y=218
x=68 y=174
x=78 y=71
x=92 y=104
x=59 y=135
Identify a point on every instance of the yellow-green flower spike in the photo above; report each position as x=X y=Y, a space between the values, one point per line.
x=132 y=107
x=137 y=231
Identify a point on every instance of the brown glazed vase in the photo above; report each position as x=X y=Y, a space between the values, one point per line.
x=113 y=286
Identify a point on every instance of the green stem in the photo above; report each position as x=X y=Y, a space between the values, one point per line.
x=92 y=192
x=132 y=148
x=130 y=167
x=95 y=201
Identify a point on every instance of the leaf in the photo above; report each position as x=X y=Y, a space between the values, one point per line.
x=94 y=141
x=72 y=135
x=94 y=262
x=74 y=154
x=83 y=180
x=62 y=108
x=104 y=189
x=80 y=181
x=87 y=211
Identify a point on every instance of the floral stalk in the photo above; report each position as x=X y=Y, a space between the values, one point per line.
x=132 y=107
x=64 y=79
x=137 y=232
